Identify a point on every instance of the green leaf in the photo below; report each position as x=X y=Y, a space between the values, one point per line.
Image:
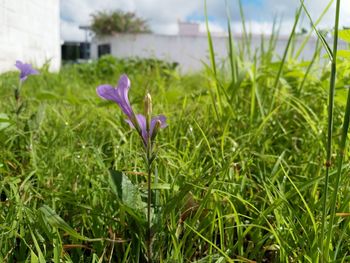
x=158 y=186
x=126 y=191
x=344 y=35
x=57 y=222
x=37 y=118
x=4 y=121
x=343 y=53
x=33 y=258
x=47 y=95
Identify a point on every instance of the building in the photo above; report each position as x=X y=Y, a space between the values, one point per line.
x=189 y=50
x=188 y=28
x=29 y=31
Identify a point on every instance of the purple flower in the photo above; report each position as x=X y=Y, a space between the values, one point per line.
x=119 y=95
x=26 y=70
x=141 y=120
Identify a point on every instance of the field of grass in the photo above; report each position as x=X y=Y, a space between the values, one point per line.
x=239 y=174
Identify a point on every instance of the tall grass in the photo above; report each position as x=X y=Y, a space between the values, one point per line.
x=237 y=180
x=329 y=145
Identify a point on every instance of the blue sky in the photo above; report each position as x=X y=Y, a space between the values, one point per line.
x=253 y=2
x=163 y=15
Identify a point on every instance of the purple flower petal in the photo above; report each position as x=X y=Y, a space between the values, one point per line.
x=119 y=94
x=163 y=124
x=107 y=92
x=130 y=123
x=122 y=94
x=142 y=123
x=141 y=120
x=162 y=120
x=123 y=88
x=25 y=70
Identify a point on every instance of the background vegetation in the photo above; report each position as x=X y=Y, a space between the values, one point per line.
x=106 y=23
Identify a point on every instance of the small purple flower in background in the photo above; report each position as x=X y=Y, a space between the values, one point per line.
x=26 y=70
x=119 y=95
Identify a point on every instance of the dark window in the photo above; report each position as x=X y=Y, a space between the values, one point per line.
x=70 y=51
x=73 y=51
x=104 y=49
x=84 y=50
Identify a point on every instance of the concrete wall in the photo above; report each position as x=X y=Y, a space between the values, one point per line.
x=29 y=31
x=189 y=51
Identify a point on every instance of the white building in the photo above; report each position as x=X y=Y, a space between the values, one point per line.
x=189 y=51
x=188 y=29
x=30 y=32
x=188 y=48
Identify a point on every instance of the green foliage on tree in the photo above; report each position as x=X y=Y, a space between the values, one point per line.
x=106 y=23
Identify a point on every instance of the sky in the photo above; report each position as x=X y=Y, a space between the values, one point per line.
x=162 y=15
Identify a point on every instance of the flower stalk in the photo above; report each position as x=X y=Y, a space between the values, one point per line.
x=148 y=114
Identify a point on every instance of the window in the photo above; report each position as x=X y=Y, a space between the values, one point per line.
x=84 y=50
x=104 y=49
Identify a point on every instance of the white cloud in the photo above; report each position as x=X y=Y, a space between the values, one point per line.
x=70 y=31
x=162 y=15
x=213 y=27
x=166 y=28
x=258 y=28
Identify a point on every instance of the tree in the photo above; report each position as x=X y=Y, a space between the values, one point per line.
x=106 y=23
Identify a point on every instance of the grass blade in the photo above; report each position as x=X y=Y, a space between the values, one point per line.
x=280 y=69
x=325 y=255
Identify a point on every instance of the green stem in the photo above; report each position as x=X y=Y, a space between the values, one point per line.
x=149 y=216
x=339 y=168
x=325 y=252
x=17 y=94
x=149 y=177
x=18 y=106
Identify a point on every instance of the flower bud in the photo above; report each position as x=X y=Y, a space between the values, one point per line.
x=148 y=105
x=148 y=110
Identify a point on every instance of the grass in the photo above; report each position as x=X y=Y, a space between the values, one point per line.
x=236 y=179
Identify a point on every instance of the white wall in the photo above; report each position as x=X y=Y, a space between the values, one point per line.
x=29 y=31
x=189 y=51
